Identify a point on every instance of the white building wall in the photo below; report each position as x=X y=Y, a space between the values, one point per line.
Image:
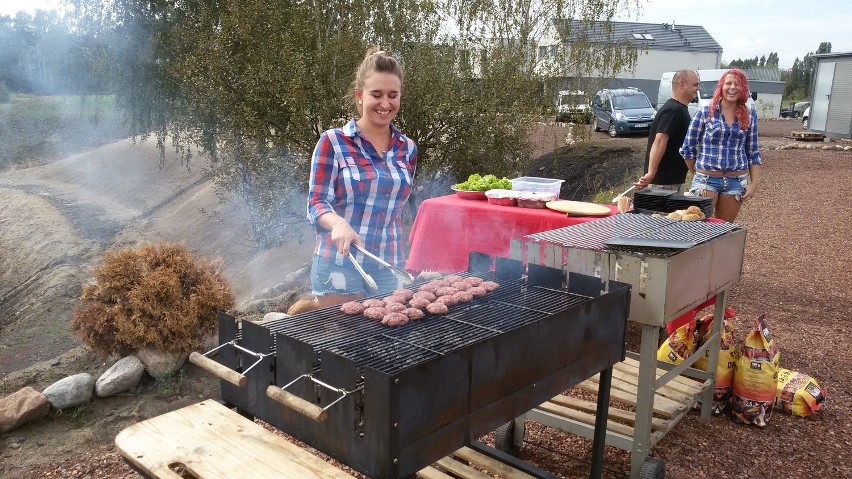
x=652 y=64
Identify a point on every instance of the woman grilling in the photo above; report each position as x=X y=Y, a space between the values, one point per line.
x=361 y=177
x=721 y=148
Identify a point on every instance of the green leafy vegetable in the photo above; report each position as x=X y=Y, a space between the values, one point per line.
x=476 y=182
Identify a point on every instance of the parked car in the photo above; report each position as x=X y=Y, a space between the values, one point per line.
x=622 y=111
x=573 y=105
x=806 y=115
x=795 y=110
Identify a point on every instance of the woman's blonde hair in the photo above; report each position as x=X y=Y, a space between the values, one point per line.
x=376 y=60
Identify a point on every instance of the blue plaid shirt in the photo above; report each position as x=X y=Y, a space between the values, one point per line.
x=368 y=189
x=715 y=146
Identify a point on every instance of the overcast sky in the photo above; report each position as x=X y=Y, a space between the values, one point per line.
x=744 y=28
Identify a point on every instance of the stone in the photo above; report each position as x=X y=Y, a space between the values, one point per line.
x=273 y=316
x=160 y=364
x=120 y=377
x=21 y=407
x=70 y=392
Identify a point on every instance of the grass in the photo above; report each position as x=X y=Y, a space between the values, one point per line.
x=78 y=415
x=38 y=129
x=170 y=385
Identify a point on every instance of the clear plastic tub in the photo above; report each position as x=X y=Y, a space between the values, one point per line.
x=537 y=185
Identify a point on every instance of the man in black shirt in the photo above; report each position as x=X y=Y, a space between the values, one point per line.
x=664 y=166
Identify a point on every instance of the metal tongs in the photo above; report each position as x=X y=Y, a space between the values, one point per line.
x=371 y=283
x=400 y=273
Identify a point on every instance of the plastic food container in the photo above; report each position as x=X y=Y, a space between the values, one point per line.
x=535 y=199
x=502 y=197
x=538 y=185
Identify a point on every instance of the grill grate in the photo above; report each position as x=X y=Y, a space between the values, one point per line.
x=595 y=234
x=392 y=350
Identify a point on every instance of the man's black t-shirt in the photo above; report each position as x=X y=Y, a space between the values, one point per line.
x=672 y=118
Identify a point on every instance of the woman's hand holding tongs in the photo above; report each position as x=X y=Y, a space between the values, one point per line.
x=342 y=234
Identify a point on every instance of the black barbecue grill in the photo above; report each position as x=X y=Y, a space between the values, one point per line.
x=390 y=401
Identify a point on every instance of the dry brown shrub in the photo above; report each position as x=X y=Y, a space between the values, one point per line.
x=157 y=295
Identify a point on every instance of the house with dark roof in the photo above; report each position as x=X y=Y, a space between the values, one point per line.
x=662 y=47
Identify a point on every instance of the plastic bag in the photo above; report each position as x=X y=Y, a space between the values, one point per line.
x=728 y=355
x=679 y=345
x=756 y=376
x=798 y=394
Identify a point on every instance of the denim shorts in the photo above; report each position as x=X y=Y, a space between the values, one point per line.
x=720 y=185
x=330 y=278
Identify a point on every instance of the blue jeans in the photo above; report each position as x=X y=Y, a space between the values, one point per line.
x=330 y=278
x=720 y=185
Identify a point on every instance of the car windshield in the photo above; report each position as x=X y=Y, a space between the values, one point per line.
x=707 y=88
x=630 y=102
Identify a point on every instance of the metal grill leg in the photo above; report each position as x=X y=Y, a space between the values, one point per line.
x=601 y=414
x=644 y=398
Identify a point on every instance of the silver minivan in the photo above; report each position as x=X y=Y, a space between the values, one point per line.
x=622 y=111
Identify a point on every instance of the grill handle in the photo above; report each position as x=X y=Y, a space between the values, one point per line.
x=217 y=369
x=308 y=409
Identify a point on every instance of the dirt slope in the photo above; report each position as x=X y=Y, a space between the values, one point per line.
x=57 y=219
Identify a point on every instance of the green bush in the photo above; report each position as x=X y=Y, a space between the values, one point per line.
x=157 y=295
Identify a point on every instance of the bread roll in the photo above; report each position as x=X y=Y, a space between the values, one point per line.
x=693 y=210
x=674 y=215
x=690 y=217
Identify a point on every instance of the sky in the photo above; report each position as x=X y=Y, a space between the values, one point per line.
x=745 y=29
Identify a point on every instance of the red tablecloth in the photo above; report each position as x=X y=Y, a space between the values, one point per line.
x=446 y=229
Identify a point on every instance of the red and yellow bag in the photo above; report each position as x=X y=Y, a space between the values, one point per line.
x=679 y=345
x=728 y=354
x=798 y=394
x=756 y=376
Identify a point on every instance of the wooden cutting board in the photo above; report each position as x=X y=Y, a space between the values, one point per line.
x=579 y=208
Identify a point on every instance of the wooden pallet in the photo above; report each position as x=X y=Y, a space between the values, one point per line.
x=807 y=136
x=207 y=440
x=671 y=401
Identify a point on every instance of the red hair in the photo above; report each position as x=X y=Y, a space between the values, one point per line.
x=742 y=84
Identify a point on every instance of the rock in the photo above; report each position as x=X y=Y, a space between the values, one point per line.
x=21 y=407
x=72 y=391
x=120 y=377
x=273 y=316
x=160 y=364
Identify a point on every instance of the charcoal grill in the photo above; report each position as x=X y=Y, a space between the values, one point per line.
x=673 y=266
x=390 y=401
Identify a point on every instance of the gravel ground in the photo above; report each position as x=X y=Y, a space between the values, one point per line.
x=798 y=229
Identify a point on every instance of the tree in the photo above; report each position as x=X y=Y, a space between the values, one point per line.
x=254 y=82
x=800 y=80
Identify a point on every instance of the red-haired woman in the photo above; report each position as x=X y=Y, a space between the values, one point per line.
x=721 y=149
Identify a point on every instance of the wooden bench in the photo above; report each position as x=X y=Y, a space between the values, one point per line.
x=209 y=441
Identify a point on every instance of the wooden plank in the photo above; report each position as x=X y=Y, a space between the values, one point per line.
x=614 y=413
x=490 y=464
x=665 y=390
x=679 y=383
x=631 y=388
x=585 y=418
x=662 y=406
x=211 y=441
x=430 y=472
x=462 y=471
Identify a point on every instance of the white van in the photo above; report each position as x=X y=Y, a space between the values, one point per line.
x=708 y=79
